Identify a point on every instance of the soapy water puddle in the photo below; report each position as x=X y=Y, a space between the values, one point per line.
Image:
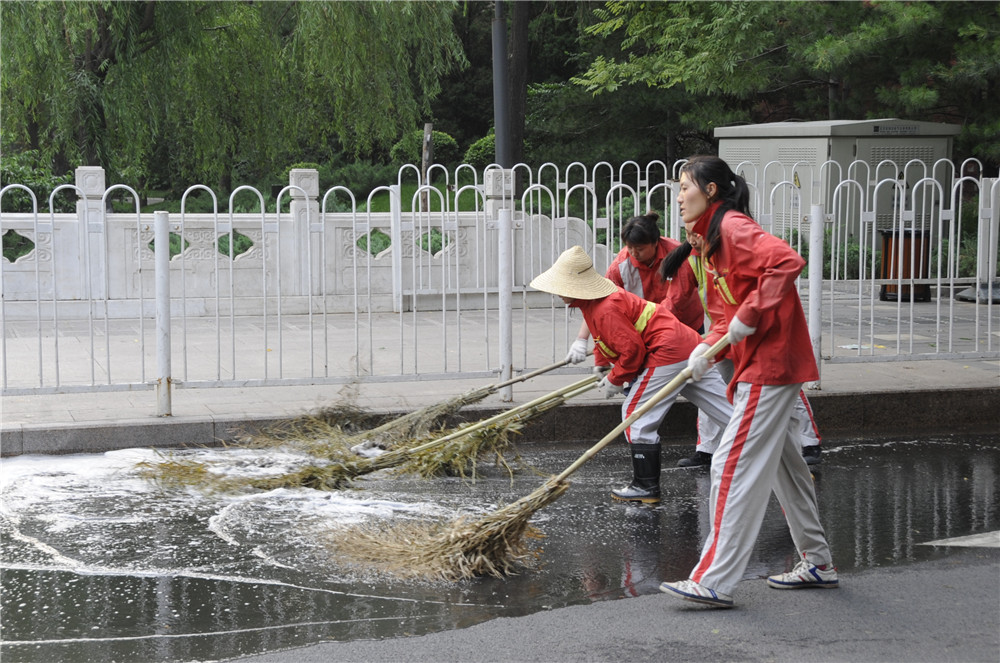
x=99 y=564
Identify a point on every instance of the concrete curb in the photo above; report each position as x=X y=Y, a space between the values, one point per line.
x=840 y=416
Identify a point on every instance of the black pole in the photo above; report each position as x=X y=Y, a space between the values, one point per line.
x=500 y=104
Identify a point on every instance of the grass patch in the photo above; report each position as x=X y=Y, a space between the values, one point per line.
x=380 y=201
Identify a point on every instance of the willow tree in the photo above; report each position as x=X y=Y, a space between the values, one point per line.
x=370 y=69
x=206 y=90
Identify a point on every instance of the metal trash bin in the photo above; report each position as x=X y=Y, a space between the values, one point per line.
x=914 y=263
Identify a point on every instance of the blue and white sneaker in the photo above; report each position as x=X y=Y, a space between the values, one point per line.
x=689 y=590
x=805 y=575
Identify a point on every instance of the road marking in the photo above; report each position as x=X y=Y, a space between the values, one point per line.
x=984 y=540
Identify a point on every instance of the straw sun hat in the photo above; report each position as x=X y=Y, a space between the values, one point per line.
x=573 y=275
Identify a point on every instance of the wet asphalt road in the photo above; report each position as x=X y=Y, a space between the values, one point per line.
x=940 y=610
x=98 y=566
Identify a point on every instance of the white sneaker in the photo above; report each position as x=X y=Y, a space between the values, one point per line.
x=805 y=575
x=689 y=590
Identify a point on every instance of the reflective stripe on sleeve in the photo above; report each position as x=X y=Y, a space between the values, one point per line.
x=640 y=326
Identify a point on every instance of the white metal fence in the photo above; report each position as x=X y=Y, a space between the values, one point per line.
x=95 y=306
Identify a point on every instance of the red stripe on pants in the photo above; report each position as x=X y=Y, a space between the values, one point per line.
x=812 y=419
x=636 y=397
x=727 y=480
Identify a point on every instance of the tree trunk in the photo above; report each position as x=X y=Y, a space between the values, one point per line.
x=671 y=146
x=517 y=76
x=831 y=98
x=426 y=160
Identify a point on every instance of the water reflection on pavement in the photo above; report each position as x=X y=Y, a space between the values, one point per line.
x=98 y=564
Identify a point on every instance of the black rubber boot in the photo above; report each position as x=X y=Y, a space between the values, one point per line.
x=645 y=486
x=699 y=459
x=812 y=454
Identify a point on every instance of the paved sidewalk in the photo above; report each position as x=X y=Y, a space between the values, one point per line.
x=918 y=397
x=922 y=397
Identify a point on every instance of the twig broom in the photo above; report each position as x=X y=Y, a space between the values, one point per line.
x=493 y=545
x=321 y=434
x=452 y=451
x=338 y=473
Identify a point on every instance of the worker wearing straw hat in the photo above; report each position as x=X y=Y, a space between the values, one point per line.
x=647 y=346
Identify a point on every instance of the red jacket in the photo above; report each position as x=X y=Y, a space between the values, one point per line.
x=635 y=334
x=752 y=276
x=682 y=297
x=679 y=295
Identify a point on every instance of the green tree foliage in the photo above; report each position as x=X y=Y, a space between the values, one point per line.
x=374 y=66
x=209 y=91
x=464 y=110
x=767 y=61
x=566 y=124
x=58 y=61
x=555 y=34
x=410 y=146
x=27 y=170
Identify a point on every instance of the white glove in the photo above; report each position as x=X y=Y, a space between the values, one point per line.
x=610 y=390
x=698 y=363
x=739 y=331
x=601 y=370
x=577 y=351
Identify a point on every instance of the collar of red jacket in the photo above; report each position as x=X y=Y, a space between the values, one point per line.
x=701 y=225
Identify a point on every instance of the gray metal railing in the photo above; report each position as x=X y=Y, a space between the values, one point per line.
x=311 y=302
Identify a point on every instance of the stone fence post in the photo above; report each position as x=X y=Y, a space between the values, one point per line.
x=306 y=229
x=93 y=229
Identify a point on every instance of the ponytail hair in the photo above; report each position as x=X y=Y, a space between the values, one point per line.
x=731 y=190
x=674 y=260
x=642 y=229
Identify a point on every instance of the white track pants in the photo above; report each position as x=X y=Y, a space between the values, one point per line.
x=709 y=433
x=708 y=394
x=759 y=453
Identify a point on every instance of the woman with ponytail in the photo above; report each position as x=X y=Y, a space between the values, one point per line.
x=750 y=294
x=685 y=269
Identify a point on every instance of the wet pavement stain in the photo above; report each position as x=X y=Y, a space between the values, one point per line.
x=98 y=564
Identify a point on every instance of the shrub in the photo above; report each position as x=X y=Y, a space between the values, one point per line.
x=378 y=241
x=968 y=256
x=27 y=168
x=362 y=177
x=16 y=245
x=241 y=244
x=848 y=255
x=482 y=152
x=409 y=149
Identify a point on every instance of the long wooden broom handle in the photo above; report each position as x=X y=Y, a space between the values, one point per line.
x=491 y=389
x=528 y=376
x=665 y=391
x=575 y=388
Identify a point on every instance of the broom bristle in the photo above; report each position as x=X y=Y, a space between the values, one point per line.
x=456 y=457
x=323 y=438
x=494 y=545
x=460 y=456
x=331 y=431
